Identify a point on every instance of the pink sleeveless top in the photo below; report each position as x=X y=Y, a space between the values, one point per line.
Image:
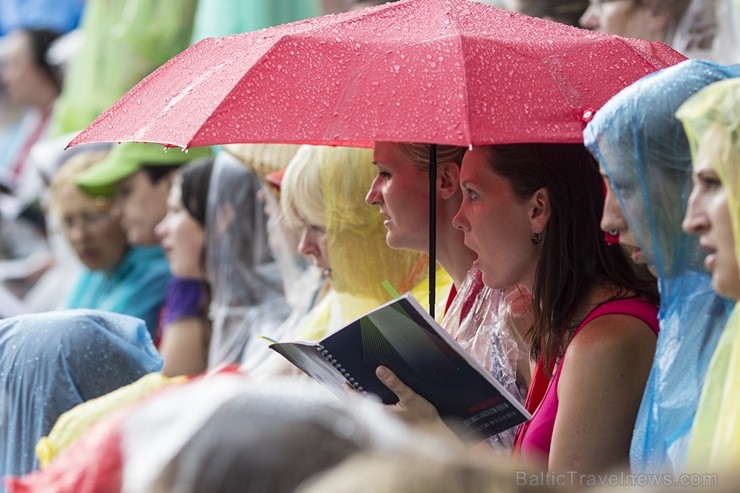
x=535 y=436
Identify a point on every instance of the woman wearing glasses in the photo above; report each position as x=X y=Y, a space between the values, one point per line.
x=115 y=277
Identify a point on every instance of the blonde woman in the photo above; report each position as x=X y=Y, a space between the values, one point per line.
x=712 y=121
x=116 y=277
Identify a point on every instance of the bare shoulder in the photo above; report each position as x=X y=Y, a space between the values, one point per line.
x=610 y=342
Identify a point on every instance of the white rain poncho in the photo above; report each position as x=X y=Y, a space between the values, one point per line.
x=646 y=155
x=246 y=288
x=227 y=433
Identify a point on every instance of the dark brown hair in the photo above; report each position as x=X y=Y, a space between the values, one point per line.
x=574 y=254
x=39 y=42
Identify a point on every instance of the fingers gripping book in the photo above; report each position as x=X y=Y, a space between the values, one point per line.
x=402 y=336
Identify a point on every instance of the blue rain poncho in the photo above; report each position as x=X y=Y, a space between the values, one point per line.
x=50 y=362
x=58 y=15
x=646 y=155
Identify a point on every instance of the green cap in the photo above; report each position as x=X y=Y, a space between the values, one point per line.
x=126 y=159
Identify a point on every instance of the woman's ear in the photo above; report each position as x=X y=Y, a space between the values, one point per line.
x=448 y=180
x=540 y=210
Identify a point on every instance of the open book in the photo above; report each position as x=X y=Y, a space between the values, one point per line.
x=402 y=336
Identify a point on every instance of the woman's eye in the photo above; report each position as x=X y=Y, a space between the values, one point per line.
x=472 y=194
x=711 y=183
x=384 y=174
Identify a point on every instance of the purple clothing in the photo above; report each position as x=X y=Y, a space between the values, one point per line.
x=537 y=432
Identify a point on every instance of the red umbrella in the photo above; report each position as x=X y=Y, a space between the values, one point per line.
x=438 y=71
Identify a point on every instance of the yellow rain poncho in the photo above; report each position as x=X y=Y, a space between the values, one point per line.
x=359 y=256
x=715 y=442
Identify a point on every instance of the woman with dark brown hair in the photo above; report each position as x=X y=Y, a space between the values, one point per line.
x=531 y=212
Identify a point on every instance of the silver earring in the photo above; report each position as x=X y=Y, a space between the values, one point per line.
x=613 y=232
x=536 y=238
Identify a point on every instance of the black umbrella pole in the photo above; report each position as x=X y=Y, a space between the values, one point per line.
x=432 y=225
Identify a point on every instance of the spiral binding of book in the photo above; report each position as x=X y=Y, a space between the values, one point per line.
x=333 y=361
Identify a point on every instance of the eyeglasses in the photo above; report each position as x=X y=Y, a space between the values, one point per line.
x=86 y=220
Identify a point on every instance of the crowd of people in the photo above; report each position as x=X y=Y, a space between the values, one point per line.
x=140 y=287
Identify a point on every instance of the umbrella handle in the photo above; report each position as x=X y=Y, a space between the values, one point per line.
x=432 y=226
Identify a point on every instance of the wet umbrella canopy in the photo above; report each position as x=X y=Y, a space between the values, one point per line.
x=436 y=71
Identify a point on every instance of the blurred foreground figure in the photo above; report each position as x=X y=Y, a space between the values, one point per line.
x=51 y=362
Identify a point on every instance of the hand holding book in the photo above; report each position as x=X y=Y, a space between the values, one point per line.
x=431 y=372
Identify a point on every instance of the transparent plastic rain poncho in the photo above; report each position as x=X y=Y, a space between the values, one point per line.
x=51 y=362
x=228 y=433
x=646 y=156
x=709 y=30
x=715 y=438
x=246 y=287
x=478 y=320
x=359 y=256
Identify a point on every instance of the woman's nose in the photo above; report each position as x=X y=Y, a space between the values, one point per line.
x=160 y=230
x=373 y=196
x=695 y=221
x=590 y=18
x=306 y=245
x=460 y=221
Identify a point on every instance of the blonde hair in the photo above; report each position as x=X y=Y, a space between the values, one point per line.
x=263 y=159
x=301 y=193
x=326 y=187
x=419 y=154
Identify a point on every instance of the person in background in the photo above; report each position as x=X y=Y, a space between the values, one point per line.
x=563 y=11
x=322 y=194
x=711 y=118
x=116 y=277
x=31 y=83
x=707 y=29
x=214 y=232
x=643 y=151
x=139 y=176
x=302 y=283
